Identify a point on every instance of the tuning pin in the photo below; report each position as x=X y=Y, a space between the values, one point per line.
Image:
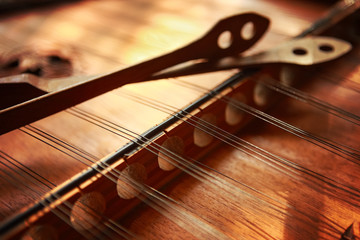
x=349 y=233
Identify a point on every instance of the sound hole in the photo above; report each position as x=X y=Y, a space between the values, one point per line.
x=262 y=94
x=175 y=145
x=300 y=51
x=87 y=210
x=225 y=40
x=202 y=136
x=234 y=115
x=326 y=48
x=290 y=74
x=248 y=31
x=130 y=180
x=39 y=60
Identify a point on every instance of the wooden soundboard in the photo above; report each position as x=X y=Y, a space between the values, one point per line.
x=284 y=166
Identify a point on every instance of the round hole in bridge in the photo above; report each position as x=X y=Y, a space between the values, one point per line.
x=225 y=40
x=290 y=74
x=172 y=150
x=87 y=211
x=326 y=48
x=263 y=94
x=233 y=114
x=248 y=31
x=203 y=129
x=299 y=51
x=131 y=180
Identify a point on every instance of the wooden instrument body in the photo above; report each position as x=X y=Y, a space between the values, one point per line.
x=313 y=197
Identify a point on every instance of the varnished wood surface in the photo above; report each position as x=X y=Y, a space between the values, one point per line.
x=98 y=36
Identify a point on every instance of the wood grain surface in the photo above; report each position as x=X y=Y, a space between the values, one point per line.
x=294 y=175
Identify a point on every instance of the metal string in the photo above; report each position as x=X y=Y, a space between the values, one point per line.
x=226 y=137
x=102 y=119
x=60 y=211
x=307 y=98
x=28 y=130
x=331 y=146
x=150 y=193
x=346 y=83
x=62 y=141
x=330 y=183
x=146 y=145
x=228 y=100
x=179 y=161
